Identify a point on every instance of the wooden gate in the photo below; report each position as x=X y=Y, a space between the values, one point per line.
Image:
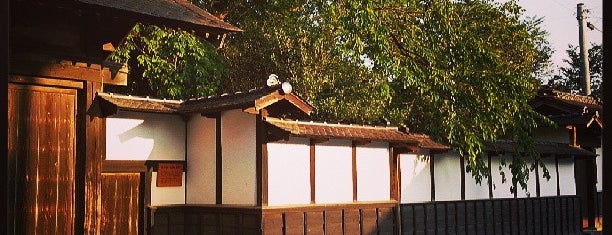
x=41 y=159
x=121 y=203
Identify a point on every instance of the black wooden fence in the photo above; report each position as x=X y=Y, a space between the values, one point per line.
x=545 y=215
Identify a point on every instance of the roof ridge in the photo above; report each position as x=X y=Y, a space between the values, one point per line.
x=353 y=125
x=132 y=97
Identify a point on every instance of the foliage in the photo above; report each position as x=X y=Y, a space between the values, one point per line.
x=462 y=71
x=570 y=79
x=170 y=63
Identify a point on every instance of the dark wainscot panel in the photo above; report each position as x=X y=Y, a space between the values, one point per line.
x=205 y=219
x=545 y=215
x=356 y=218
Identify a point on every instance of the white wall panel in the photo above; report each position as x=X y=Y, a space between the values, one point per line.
x=416 y=177
x=373 y=175
x=531 y=185
x=333 y=172
x=549 y=187
x=567 y=182
x=238 y=146
x=289 y=172
x=201 y=160
x=145 y=136
x=475 y=191
x=501 y=190
x=447 y=176
x=599 y=169
x=166 y=195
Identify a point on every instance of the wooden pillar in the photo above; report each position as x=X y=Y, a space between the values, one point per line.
x=312 y=171
x=354 y=169
x=218 y=161
x=432 y=176
x=93 y=132
x=261 y=161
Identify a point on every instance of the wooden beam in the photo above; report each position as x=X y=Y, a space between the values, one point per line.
x=123 y=166
x=218 y=162
x=318 y=140
x=394 y=175
x=261 y=162
x=432 y=177
x=70 y=70
x=46 y=82
x=361 y=142
x=312 y=172
x=354 y=169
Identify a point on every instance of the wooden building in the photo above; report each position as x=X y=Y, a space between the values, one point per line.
x=579 y=125
x=58 y=51
x=247 y=171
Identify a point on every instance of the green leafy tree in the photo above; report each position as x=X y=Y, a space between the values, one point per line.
x=570 y=80
x=169 y=63
x=462 y=71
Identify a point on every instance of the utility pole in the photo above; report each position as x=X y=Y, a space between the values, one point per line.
x=584 y=51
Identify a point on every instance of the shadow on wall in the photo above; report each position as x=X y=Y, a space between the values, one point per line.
x=415 y=178
x=139 y=136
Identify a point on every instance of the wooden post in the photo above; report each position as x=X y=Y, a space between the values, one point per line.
x=312 y=172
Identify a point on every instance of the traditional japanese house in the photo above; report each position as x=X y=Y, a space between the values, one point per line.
x=247 y=171
x=579 y=125
x=58 y=51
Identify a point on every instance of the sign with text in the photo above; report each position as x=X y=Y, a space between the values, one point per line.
x=169 y=175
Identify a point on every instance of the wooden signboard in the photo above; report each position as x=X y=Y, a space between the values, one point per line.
x=169 y=175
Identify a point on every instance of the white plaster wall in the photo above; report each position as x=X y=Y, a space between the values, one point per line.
x=145 y=136
x=201 y=160
x=289 y=172
x=373 y=175
x=567 y=182
x=416 y=177
x=447 y=176
x=549 y=187
x=599 y=169
x=238 y=136
x=501 y=190
x=166 y=195
x=531 y=185
x=333 y=172
x=474 y=190
x=559 y=134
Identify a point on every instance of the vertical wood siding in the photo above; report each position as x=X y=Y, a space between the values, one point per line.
x=120 y=203
x=547 y=215
x=42 y=159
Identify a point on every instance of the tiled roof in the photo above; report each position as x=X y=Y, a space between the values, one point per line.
x=252 y=98
x=143 y=104
x=180 y=10
x=542 y=148
x=580 y=101
x=354 y=132
x=255 y=98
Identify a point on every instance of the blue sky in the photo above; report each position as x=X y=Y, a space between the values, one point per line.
x=561 y=24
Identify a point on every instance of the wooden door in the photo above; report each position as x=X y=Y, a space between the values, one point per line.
x=121 y=203
x=41 y=159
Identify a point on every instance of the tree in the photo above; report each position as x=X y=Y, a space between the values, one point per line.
x=462 y=71
x=570 y=80
x=169 y=63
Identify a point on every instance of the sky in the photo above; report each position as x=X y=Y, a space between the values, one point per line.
x=561 y=23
